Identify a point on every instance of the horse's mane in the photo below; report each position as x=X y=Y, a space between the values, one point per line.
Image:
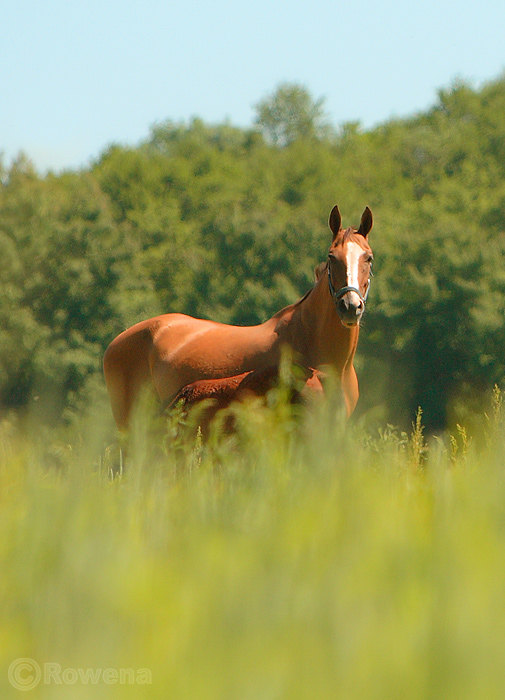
x=320 y=269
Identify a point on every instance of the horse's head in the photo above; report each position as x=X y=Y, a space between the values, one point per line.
x=349 y=267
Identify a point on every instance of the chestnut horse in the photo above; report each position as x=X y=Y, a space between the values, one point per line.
x=219 y=394
x=320 y=330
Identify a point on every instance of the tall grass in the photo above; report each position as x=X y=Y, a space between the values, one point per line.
x=298 y=558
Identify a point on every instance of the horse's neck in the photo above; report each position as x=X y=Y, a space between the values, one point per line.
x=313 y=329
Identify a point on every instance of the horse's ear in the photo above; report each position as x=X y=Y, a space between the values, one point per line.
x=335 y=221
x=366 y=222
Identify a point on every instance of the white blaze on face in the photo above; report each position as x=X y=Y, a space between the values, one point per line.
x=352 y=258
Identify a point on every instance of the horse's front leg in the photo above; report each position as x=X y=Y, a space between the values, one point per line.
x=350 y=388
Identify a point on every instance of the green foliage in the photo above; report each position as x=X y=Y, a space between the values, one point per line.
x=290 y=114
x=229 y=223
x=291 y=563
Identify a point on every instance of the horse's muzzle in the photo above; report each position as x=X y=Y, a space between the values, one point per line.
x=350 y=309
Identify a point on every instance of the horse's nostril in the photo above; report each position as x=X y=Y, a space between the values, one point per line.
x=343 y=307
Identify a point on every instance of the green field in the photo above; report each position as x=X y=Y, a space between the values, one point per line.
x=301 y=558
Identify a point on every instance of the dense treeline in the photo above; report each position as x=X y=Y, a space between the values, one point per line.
x=228 y=223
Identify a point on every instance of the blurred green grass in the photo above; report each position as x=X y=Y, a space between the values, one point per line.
x=300 y=558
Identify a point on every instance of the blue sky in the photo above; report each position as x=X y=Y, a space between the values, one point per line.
x=76 y=76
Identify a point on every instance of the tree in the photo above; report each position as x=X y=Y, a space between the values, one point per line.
x=289 y=114
x=219 y=222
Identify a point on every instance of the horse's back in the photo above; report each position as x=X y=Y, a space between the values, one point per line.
x=171 y=351
x=186 y=350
